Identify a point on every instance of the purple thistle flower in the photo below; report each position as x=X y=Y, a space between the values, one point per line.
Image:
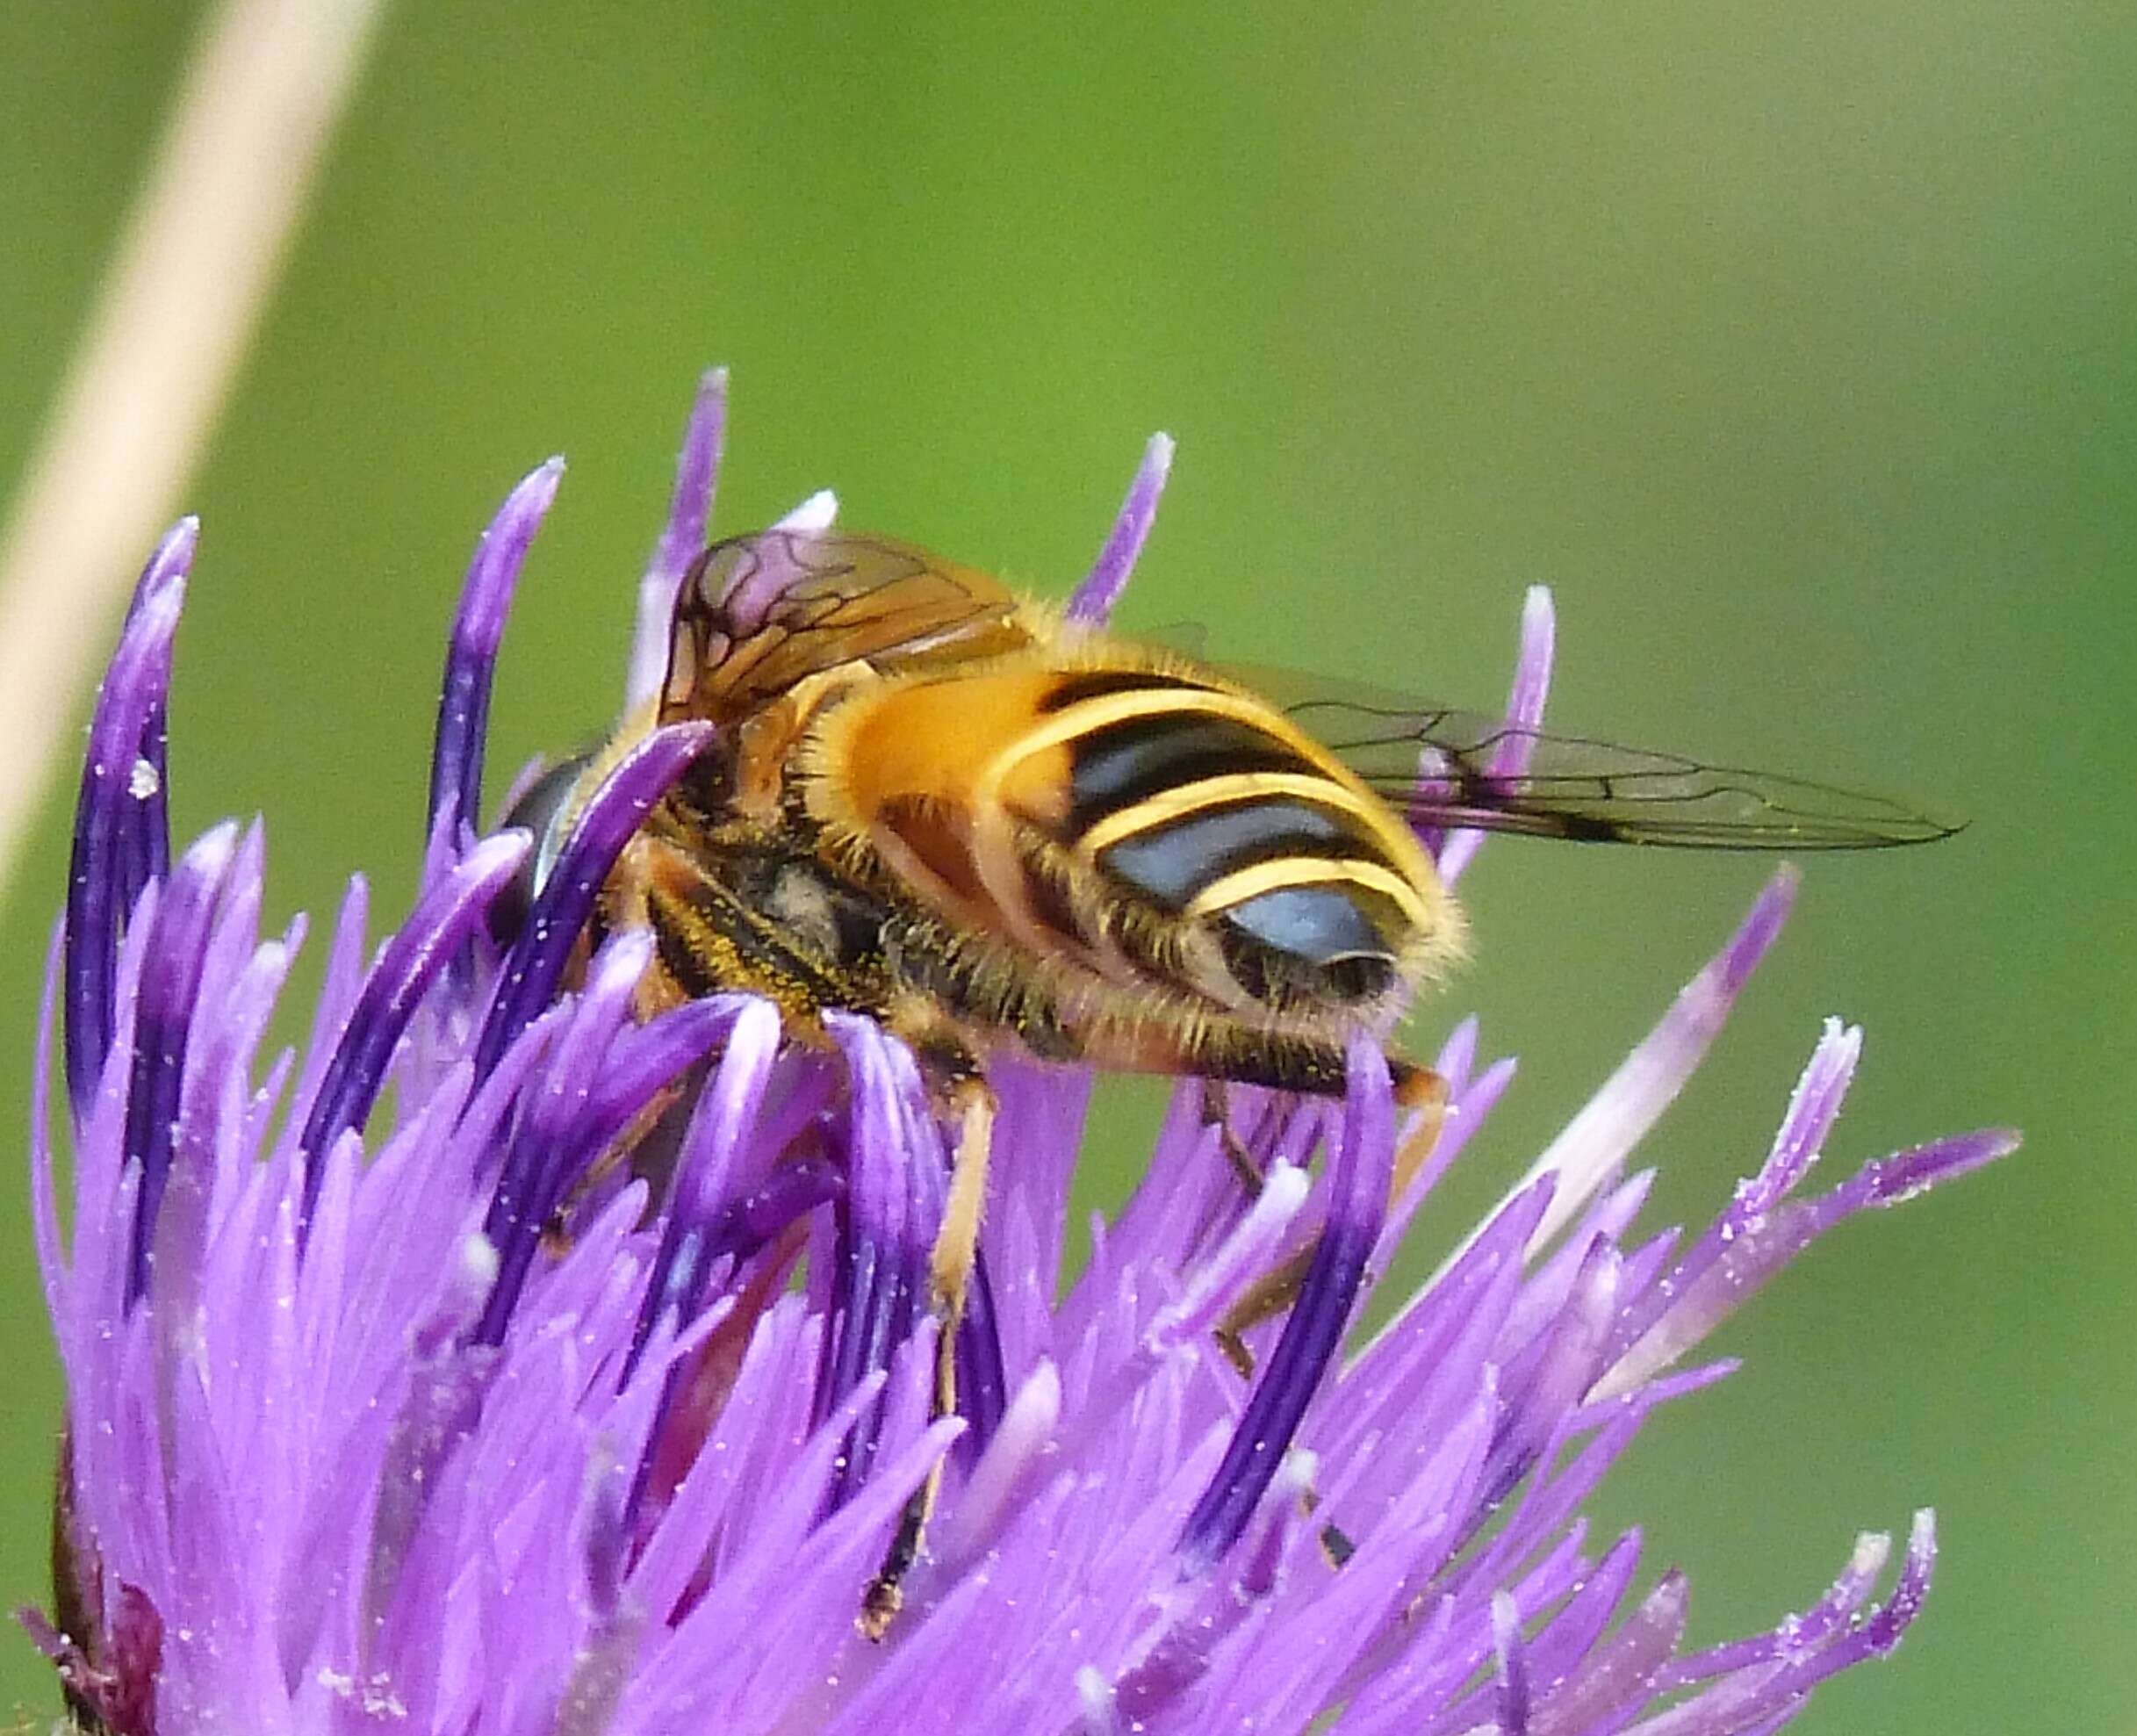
x=438 y=1418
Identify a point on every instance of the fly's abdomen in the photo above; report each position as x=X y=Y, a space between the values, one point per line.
x=1207 y=806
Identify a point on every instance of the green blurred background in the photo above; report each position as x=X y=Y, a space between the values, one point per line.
x=1795 y=347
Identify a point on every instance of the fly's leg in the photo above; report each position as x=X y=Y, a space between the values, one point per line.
x=1214 y=1113
x=1418 y=1090
x=955 y=1251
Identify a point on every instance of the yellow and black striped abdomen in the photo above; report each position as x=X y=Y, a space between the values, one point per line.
x=1139 y=824
x=1041 y=802
x=1207 y=805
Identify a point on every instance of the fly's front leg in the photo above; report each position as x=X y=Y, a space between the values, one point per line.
x=971 y=1102
x=1419 y=1090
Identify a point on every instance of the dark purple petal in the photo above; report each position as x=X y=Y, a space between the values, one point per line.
x=464 y=696
x=444 y=917
x=1513 y=1667
x=169 y=981
x=725 y=1113
x=983 y=1377
x=534 y=968
x=148 y=855
x=697 y=477
x=882 y=1283
x=550 y=1147
x=119 y=807
x=982 y=1389
x=1094 y=599
x=1359 y=1173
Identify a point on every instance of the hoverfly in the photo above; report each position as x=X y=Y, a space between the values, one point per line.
x=995 y=830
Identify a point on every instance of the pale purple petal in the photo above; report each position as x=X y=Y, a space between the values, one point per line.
x=1588 y=1155
x=1094 y=599
x=697 y=479
x=1524 y=714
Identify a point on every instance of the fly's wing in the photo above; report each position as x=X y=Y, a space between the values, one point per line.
x=758 y=614
x=1447 y=768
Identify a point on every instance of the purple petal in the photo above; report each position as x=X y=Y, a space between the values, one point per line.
x=1588 y=1155
x=148 y=852
x=1252 y=1245
x=883 y=1277
x=552 y=1145
x=727 y=1111
x=442 y=919
x=1004 y=1477
x=697 y=477
x=1621 y=1672
x=534 y=967
x=113 y=807
x=646 y=1060
x=163 y=1026
x=1092 y=604
x=1360 y=1169
x=1525 y=716
x=1513 y=1671
x=463 y=695
x=1731 y=1264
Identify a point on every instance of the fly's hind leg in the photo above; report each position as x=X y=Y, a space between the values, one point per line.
x=1419 y=1090
x=969 y=1098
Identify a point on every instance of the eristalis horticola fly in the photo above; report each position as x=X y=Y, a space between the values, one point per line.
x=994 y=829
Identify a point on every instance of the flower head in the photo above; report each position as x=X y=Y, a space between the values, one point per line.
x=417 y=1410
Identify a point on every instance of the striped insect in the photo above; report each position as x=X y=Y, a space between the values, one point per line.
x=995 y=830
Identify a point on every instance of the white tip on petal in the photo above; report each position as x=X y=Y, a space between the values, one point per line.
x=478 y=1263
x=818 y=512
x=1095 y=1694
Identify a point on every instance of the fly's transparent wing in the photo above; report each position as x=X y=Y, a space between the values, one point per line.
x=1444 y=768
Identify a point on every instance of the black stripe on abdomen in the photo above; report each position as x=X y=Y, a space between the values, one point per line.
x=1081 y=684
x=1171 y=860
x=1116 y=765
